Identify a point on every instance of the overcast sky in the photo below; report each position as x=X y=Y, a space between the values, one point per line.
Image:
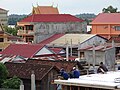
x=65 y=6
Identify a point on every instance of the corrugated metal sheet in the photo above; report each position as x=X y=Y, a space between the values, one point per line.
x=107 y=18
x=51 y=18
x=72 y=38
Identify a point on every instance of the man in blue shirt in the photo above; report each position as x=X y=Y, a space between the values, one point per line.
x=76 y=73
x=64 y=74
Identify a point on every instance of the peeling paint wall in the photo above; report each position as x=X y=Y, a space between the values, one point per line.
x=48 y=29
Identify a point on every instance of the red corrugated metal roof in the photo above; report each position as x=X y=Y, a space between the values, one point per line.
x=100 y=47
x=97 y=48
x=106 y=18
x=25 y=50
x=85 y=48
x=51 y=18
x=52 y=38
x=116 y=39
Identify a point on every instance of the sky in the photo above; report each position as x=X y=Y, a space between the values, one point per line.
x=72 y=7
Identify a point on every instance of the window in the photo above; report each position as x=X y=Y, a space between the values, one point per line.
x=1 y=40
x=21 y=28
x=82 y=55
x=117 y=27
x=0 y=49
x=29 y=27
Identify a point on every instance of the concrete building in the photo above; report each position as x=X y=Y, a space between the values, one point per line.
x=106 y=25
x=74 y=42
x=38 y=27
x=102 y=53
x=3 y=17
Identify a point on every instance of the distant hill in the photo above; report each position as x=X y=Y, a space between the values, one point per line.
x=14 y=18
x=86 y=16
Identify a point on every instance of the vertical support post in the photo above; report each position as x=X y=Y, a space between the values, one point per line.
x=105 y=53
x=71 y=48
x=21 y=85
x=67 y=52
x=33 y=81
x=94 y=58
x=63 y=87
x=79 y=54
x=113 y=46
x=79 y=46
x=70 y=87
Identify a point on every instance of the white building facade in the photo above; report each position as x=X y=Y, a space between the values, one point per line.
x=3 y=16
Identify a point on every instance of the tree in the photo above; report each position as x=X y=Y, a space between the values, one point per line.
x=10 y=30
x=14 y=18
x=109 y=9
x=3 y=73
x=12 y=83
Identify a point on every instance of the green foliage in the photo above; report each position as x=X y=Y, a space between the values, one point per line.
x=13 y=83
x=3 y=73
x=14 y=18
x=86 y=16
x=109 y=9
x=10 y=30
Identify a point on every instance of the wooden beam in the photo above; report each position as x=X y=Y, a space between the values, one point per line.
x=70 y=87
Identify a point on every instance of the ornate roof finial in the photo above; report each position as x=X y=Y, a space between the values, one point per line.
x=57 y=6
x=32 y=5
x=37 y=4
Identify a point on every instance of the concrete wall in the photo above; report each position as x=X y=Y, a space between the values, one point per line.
x=3 y=17
x=107 y=57
x=99 y=57
x=110 y=58
x=94 y=40
x=43 y=30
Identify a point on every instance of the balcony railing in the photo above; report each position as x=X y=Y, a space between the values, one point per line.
x=25 y=32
